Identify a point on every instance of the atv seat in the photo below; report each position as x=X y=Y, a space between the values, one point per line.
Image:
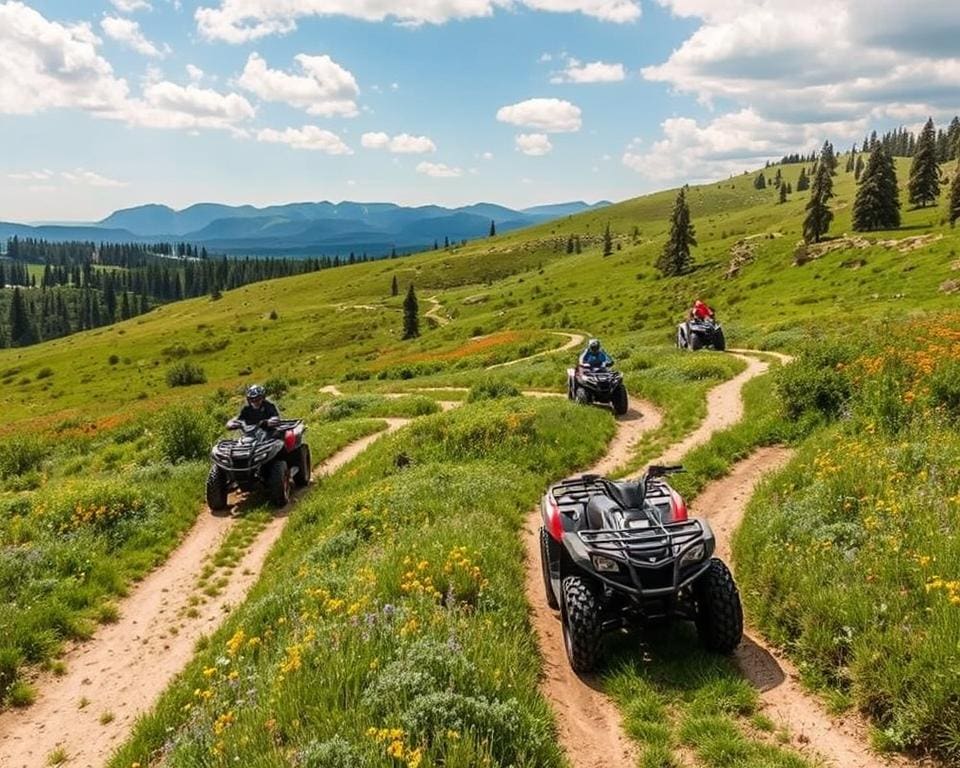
x=627 y=494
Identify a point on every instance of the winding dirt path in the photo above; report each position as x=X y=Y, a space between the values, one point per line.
x=434 y=311
x=573 y=340
x=127 y=665
x=588 y=722
x=841 y=741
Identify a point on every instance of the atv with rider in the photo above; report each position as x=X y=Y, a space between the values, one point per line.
x=621 y=554
x=594 y=381
x=269 y=454
x=701 y=329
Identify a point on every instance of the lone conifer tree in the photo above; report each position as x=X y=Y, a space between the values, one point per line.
x=924 y=184
x=760 y=182
x=858 y=168
x=783 y=193
x=954 y=212
x=819 y=215
x=877 y=205
x=394 y=287
x=675 y=258
x=493 y=228
x=607 y=241
x=411 y=315
x=803 y=182
x=21 y=329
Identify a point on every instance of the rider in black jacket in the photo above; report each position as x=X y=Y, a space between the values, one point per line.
x=258 y=409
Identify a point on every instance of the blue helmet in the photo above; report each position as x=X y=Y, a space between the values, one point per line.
x=594 y=345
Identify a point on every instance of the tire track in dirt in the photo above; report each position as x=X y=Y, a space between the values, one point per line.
x=840 y=740
x=573 y=340
x=127 y=665
x=589 y=723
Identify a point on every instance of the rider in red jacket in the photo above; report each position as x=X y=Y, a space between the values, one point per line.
x=700 y=311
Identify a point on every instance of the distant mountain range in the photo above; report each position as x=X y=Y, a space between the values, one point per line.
x=301 y=228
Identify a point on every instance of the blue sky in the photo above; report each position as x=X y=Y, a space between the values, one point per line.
x=121 y=102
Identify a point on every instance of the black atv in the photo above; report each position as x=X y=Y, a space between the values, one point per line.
x=587 y=384
x=618 y=554
x=697 y=334
x=272 y=455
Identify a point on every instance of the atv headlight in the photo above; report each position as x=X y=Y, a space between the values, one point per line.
x=695 y=555
x=605 y=564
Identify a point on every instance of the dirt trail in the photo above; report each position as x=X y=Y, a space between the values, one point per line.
x=435 y=310
x=127 y=665
x=842 y=740
x=573 y=340
x=588 y=721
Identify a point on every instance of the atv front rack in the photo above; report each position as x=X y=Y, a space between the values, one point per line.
x=571 y=494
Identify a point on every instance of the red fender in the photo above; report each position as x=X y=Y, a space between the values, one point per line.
x=678 y=507
x=553 y=523
x=290 y=440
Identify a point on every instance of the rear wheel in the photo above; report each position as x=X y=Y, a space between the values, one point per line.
x=217 y=488
x=719 y=342
x=279 y=483
x=304 y=467
x=719 y=613
x=620 y=402
x=696 y=341
x=545 y=568
x=581 y=624
x=681 y=339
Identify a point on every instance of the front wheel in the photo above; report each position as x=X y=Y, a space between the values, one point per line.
x=581 y=396
x=719 y=342
x=620 y=402
x=304 y=467
x=217 y=489
x=681 y=338
x=695 y=341
x=581 y=624
x=279 y=483
x=719 y=613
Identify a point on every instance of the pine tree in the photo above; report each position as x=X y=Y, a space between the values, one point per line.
x=21 y=328
x=819 y=215
x=576 y=244
x=493 y=228
x=858 y=168
x=607 y=241
x=954 y=212
x=877 y=205
x=803 y=182
x=783 y=193
x=411 y=315
x=829 y=157
x=924 y=184
x=760 y=182
x=953 y=138
x=676 y=258
x=394 y=287
x=570 y=244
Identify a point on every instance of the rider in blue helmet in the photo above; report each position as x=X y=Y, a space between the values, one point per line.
x=258 y=409
x=594 y=356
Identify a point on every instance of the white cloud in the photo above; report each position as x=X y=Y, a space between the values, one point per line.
x=194 y=73
x=534 y=144
x=168 y=105
x=487 y=156
x=439 y=170
x=240 y=21
x=309 y=137
x=78 y=177
x=128 y=32
x=545 y=57
x=324 y=88
x=84 y=177
x=48 y=65
x=129 y=6
x=594 y=72
x=727 y=145
x=547 y=115
x=402 y=144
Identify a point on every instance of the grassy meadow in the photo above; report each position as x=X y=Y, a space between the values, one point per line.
x=411 y=570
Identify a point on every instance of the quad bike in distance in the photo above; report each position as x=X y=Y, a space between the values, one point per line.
x=589 y=384
x=701 y=333
x=626 y=554
x=269 y=455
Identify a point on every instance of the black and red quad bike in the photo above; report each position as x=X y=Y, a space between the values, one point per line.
x=272 y=455
x=621 y=554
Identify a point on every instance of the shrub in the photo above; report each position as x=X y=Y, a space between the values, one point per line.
x=184 y=374
x=186 y=434
x=945 y=387
x=491 y=389
x=333 y=753
x=100 y=505
x=44 y=373
x=278 y=387
x=19 y=454
x=816 y=382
